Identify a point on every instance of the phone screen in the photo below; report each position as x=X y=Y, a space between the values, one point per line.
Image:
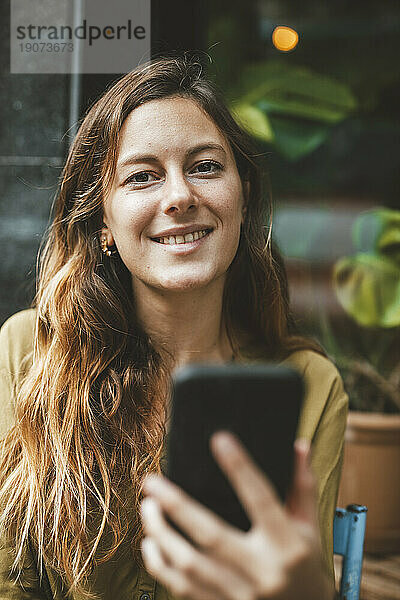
x=259 y=403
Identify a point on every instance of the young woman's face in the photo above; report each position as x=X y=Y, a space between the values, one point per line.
x=176 y=205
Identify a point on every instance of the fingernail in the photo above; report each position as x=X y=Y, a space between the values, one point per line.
x=303 y=445
x=154 y=484
x=223 y=441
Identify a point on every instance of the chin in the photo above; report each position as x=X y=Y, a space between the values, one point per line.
x=183 y=285
x=182 y=282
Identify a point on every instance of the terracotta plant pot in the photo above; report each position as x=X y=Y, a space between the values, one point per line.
x=371 y=476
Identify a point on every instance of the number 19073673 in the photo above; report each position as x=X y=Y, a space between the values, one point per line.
x=57 y=47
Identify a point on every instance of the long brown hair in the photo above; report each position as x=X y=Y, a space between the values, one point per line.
x=90 y=414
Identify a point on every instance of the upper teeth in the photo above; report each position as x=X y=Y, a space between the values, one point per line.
x=182 y=239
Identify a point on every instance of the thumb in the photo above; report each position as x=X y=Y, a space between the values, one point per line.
x=301 y=502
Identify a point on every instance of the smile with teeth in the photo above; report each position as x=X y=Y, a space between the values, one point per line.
x=182 y=239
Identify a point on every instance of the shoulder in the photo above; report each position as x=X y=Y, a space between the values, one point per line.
x=16 y=352
x=19 y=323
x=325 y=399
x=16 y=339
x=318 y=371
x=312 y=364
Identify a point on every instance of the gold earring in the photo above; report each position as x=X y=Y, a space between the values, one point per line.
x=106 y=250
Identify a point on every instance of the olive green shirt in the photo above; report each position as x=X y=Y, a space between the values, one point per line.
x=323 y=421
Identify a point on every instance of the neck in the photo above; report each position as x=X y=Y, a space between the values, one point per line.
x=187 y=325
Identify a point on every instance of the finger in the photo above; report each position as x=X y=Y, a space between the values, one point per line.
x=252 y=487
x=176 y=581
x=181 y=556
x=302 y=503
x=206 y=529
x=168 y=539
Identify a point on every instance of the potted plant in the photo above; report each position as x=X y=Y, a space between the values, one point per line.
x=367 y=285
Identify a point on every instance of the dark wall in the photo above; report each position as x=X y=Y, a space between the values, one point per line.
x=33 y=118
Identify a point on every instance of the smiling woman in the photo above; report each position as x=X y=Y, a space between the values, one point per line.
x=159 y=254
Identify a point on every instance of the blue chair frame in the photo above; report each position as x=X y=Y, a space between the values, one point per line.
x=348 y=541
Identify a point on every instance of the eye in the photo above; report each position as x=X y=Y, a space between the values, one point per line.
x=141 y=178
x=207 y=166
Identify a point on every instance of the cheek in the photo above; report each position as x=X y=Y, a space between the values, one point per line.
x=233 y=205
x=129 y=218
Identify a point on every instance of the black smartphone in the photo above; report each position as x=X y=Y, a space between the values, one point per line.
x=259 y=403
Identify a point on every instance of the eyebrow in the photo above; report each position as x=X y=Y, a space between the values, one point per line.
x=134 y=158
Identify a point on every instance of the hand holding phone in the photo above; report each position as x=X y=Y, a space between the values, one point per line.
x=280 y=557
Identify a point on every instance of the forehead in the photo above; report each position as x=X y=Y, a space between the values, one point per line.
x=167 y=125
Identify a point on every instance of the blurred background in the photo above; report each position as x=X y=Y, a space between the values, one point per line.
x=317 y=84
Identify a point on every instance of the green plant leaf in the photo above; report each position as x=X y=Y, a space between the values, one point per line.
x=368 y=288
x=295 y=138
x=388 y=242
x=378 y=230
x=279 y=88
x=253 y=120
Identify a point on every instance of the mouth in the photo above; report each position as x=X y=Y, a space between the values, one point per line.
x=175 y=240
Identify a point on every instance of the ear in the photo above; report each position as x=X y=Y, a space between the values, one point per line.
x=106 y=232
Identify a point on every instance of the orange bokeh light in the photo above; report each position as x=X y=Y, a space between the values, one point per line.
x=285 y=38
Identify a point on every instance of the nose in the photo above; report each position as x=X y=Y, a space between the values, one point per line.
x=179 y=196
